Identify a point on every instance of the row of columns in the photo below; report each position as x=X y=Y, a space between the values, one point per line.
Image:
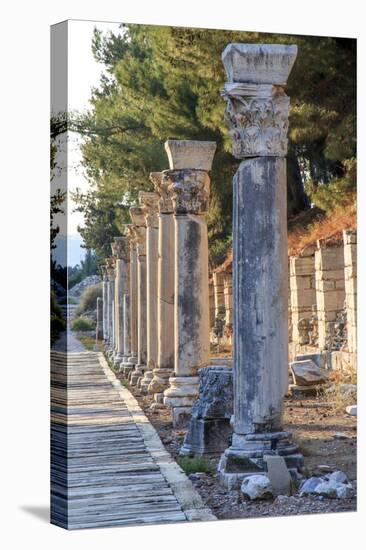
x=156 y=317
x=257 y=116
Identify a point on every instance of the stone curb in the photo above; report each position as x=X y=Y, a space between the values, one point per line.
x=189 y=499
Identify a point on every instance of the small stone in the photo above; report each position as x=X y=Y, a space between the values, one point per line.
x=324 y=468
x=351 y=410
x=257 y=487
x=337 y=477
x=327 y=489
x=309 y=485
x=282 y=499
x=345 y=491
x=340 y=435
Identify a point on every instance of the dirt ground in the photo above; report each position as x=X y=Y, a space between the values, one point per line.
x=326 y=438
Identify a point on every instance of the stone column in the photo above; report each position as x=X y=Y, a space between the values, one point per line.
x=165 y=338
x=121 y=251
x=302 y=293
x=218 y=284
x=131 y=304
x=126 y=366
x=228 y=292
x=189 y=185
x=99 y=327
x=350 y=275
x=105 y=305
x=149 y=204
x=330 y=295
x=257 y=116
x=211 y=302
x=139 y=229
x=110 y=301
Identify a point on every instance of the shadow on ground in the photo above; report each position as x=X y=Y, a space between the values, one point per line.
x=40 y=512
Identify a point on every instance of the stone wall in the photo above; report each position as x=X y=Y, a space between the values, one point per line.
x=323 y=302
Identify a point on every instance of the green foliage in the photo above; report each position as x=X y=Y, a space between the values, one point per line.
x=194 y=464
x=88 y=299
x=164 y=83
x=57 y=321
x=82 y=324
x=87 y=341
x=339 y=191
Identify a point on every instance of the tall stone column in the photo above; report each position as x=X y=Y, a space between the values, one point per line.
x=330 y=294
x=139 y=229
x=228 y=295
x=165 y=337
x=126 y=329
x=302 y=293
x=218 y=284
x=257 y=116
x=149 y=204
x=350 y=273
x=110 y=300
x=131 y=304
x=211 y=302
x=189 y=185
x=105 y=305
x=99 y=327
x=121 y=252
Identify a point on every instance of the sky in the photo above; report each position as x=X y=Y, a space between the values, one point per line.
x=83 y=74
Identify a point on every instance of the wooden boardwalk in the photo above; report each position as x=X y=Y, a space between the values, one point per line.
x=108 y=466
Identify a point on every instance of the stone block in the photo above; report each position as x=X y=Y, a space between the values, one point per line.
x=301 y=266
x=300 y=283
x=278 y=474
x=190 y=154
x=259 y=63
x=307 y=373
x=329 y=258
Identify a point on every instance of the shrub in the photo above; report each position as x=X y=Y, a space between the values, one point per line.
x=57 y=322
x=193 y=464
x=88 y=299
x=81 y=324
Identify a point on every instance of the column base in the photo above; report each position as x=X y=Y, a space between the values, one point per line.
x=207 y=437
x=146 y=380
x=117 y=359
x=133 y=359
x=126 y=368
x=137 y=374
x=160 y=380
x=245 y=456
x=183 y=390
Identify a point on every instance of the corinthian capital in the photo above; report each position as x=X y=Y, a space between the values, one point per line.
x=161 y=186
x=257 y=107
x=189 y=189
x=137 y=216
x=149 y=204
x=110 y=268
x=122 y=248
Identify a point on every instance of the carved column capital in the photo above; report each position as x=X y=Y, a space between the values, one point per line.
x=121 y=248
x=149 y=204
x=161 y=186
x=257 y=107
x=110 y=268
x=189 y=189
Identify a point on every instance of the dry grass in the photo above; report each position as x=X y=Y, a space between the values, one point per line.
x=305 y=231
x=335 y=395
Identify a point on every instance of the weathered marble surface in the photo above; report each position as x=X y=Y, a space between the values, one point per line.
x=209 y=428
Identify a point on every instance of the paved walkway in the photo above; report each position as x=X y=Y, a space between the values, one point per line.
x=108 y=465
